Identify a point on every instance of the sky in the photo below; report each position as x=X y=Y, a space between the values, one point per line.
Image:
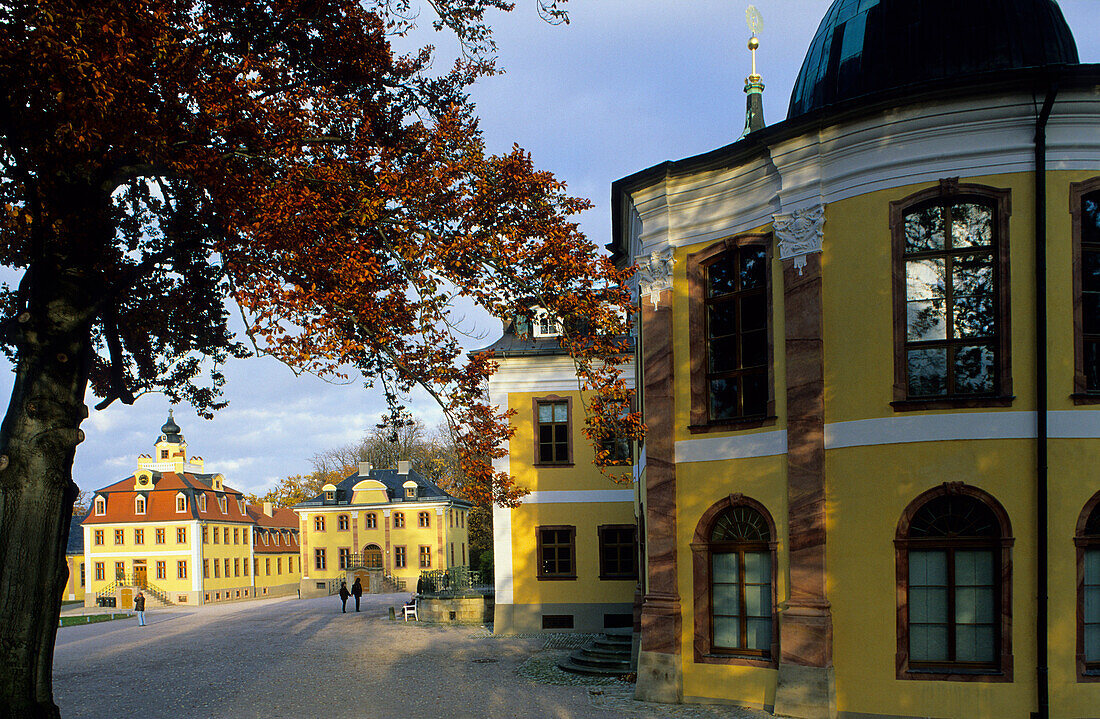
x=625 y=85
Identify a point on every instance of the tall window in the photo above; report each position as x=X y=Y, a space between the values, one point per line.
x=119 y=536
x=319 y=523
x=951 y=297
x=1085 y=208
x=345 y=557
x=222 y=505
x=139 y=536
x=425 y=557
x=120 y=571
x=342 y=522
x=160 y=535
x=729 y=320
x=202 y=502
x=398 y=520
x=399 y=557
x=552 y=445
x=557 y=553
x=206 y=569
x=618 y=550
x=217 y=536
x=97 y=537
x=139 y=505
x=99 y=572
x=423 y=519
x=372 y=520
x=162 y=570
x=318 y=559
x=100 y=506
x=181 y=569
x=181 y=503
x=953 y=586
x=1088 y=599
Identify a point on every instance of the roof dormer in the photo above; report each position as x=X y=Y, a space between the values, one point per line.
x=217 y=483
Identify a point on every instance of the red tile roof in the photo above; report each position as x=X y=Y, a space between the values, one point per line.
x=161 y=500
x=282 y=521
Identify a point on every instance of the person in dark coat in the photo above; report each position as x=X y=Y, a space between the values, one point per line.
x=344 y=594
x=357 y=591
x=139 y=607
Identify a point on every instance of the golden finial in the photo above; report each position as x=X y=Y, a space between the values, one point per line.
x=756 y=23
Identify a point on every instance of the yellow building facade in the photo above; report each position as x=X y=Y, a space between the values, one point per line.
x=867 y=485
x=177 y=533
x=566 y=557
x=387 y=525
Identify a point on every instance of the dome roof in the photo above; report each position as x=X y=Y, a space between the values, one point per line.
x=171 y=431
x=869 y=46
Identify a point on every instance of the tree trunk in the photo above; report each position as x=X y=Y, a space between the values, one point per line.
x=38 y=441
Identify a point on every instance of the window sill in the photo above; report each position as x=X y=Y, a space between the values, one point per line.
x=955 y=675
x=558 y=578
x=735 y=660
x=913 y=405
x=553 y=465
x=732 y=425
x=1085 y=397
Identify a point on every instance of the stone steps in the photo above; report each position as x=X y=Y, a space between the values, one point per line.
x=606 y=656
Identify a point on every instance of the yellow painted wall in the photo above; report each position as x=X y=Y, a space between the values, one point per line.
x=170 y=552
x=238 y=554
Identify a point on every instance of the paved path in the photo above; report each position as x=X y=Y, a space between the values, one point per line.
x=298 y=659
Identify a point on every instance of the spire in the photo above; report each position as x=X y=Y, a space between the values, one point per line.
x=754 y=85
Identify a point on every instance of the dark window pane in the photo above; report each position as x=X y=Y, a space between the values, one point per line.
x=1092 y=365
x=1090 y=270
x=1090 y=312
x=974 y=316
x=756 y=394
x=754 y=349
x=546 y=433
x=974 y=369
x=927 y=372
x=723 y=398
x=753 y=268
x=722 y=277
x=924 y=230
x=722 y=319
x=754 y=312
x=723 y=354
x=1090 y=218
x=971 y=226
x=972 y=275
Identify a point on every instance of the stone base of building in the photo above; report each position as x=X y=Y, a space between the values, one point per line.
x=310 y=588
x=562 y=617
x=473 y=609
x=660 y=678
x=805 y=692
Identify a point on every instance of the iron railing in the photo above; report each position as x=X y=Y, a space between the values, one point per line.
x=452 y=582
x=129 y=580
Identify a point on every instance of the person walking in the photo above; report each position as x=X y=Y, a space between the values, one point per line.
x=139 y=607
x=357 y=591
x=344 y=594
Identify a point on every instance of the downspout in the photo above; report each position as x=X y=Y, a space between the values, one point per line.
x=1042 y=640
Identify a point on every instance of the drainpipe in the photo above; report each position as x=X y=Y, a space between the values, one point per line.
x=1042 y=640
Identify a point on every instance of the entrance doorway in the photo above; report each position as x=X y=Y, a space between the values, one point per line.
x=372 y=556
x=140 y=576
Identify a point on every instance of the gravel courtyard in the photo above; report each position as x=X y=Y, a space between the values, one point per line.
x=290 y=658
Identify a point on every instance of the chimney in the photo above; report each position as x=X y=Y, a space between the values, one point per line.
x=267 y=509
x=403 y=468
x=364 y=469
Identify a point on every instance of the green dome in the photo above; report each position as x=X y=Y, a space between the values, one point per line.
x=866 y=47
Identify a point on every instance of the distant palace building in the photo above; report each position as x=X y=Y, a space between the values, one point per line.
x=182 y=536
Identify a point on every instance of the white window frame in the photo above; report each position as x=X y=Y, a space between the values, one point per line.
x=100 y=506
x=140 y=505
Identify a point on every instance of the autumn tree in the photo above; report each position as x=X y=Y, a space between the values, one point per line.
x=296 y=488
x=164 y=161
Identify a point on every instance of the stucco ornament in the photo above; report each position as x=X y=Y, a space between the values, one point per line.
x=800 y=233
x=654 y=274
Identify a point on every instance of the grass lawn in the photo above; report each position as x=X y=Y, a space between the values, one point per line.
x=90 y=619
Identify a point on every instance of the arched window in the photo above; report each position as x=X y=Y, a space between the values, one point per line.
x=372 y=556
x=951 y=297
x=1087 y=540
x=954 y=587
x=734 y=565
